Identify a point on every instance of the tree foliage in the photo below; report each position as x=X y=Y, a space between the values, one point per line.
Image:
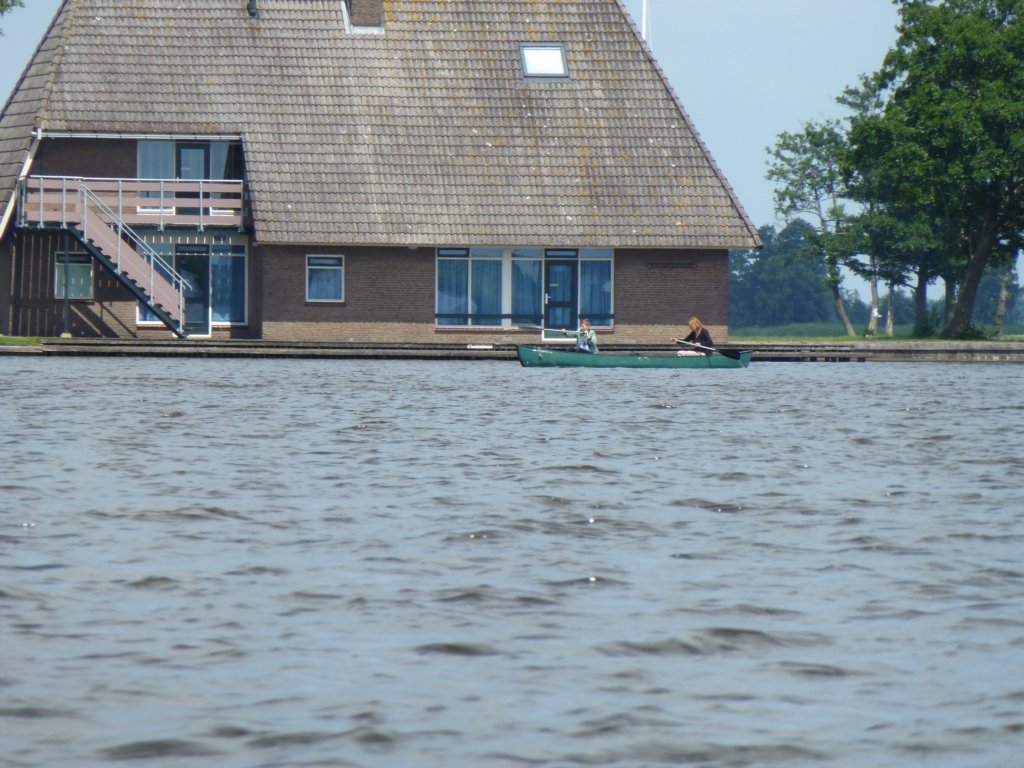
x=925 y=179
x=779 y=284
x=945 y=154
x=783 y=283
x=807 y=167
x=6 y=5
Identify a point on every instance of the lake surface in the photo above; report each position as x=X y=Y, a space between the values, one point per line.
x=445 y=564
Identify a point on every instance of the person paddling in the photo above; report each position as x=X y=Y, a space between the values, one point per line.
x=586 y=339
x=698 y=338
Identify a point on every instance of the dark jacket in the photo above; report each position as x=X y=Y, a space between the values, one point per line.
x=701 y=337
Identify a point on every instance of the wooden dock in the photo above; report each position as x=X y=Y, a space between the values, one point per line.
x=1011 y=351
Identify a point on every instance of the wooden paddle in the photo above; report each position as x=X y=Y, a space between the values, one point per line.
x=723 y=352
x=538 y=328
x=547 y=330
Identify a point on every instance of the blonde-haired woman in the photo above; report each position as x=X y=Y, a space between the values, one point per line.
x=698 y=338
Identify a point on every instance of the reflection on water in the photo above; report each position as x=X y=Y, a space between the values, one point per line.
x=349 y=563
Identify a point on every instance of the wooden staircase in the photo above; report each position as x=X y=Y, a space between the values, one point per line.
x=73 y=206
x=148 y=277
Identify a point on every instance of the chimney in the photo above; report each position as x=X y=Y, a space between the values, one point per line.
x=366 y=13
x=253 y=11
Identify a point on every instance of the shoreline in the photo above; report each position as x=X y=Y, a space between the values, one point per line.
x=764 y=351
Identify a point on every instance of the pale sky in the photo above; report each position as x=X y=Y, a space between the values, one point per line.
x=745 y=70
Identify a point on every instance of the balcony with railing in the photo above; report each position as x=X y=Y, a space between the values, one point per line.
x=58 y=201
x=105 y=214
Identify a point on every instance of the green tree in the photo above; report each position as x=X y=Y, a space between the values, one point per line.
x=6 y=5
x=948 y=144
x=807 y=168
x=778 y=284
x=899 y=237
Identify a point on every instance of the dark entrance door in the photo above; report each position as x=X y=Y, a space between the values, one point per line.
x=193 y=263
x=560 y=294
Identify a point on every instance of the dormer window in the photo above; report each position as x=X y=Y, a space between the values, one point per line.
x=544 y=61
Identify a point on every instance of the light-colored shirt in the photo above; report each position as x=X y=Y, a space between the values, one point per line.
x=584 y=337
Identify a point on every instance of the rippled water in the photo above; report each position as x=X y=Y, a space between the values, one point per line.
x=357 y=563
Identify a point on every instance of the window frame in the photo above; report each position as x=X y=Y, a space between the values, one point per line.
x=76 y=259
x=231 y=251
x=222 y=156
x=525 y=51
x=155 y=152
x=340 y=269
x=510 y=318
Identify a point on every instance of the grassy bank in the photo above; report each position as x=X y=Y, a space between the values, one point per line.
x=834 y=332
x=18 y=341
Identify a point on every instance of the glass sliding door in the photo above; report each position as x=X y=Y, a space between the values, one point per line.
x=193 y=263
x=192 y=163
x=155 y=162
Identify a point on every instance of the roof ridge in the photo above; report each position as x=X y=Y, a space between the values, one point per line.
x=17 y=146
x=719 y=174
x=32 y=60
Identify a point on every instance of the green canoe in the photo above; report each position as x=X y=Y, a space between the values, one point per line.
x=561 y=358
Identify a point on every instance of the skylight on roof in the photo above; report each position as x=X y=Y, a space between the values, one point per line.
x=544 y=60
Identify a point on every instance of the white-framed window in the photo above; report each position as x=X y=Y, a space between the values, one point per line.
x=158 y=161
x=596 y=286
x=509 y=287
x=154 y=162
x=78 y=268
x=544 y=61
x=325 y=278
x=228 y=280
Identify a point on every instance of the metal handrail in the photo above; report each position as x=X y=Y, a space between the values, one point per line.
x=115 y=191
x=140 y=245
x=207 y=212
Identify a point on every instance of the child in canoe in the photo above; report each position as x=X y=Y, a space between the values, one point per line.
x=586 y=339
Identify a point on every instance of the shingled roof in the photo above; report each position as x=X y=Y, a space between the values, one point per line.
x=426 y=133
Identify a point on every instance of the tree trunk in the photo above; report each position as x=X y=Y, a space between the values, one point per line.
x=922 y=323
x=949 y=297
x=1004 y=295
x=837 y=297
x=960 y=318
x=834 y=281
x=890 y=318
x=875 y=314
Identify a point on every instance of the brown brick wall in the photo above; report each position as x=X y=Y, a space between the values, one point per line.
x=656 y=293
x=389 y=296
